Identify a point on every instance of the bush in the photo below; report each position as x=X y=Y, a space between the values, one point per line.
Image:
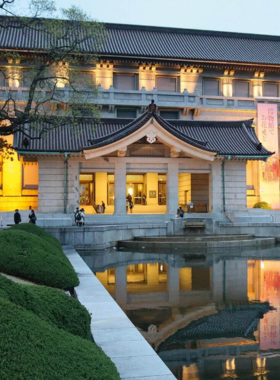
x=262 y=205
x=51 y=305
x=38 y=231
x=28 y=256
x=33 y=349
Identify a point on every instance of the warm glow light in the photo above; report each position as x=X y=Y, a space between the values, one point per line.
x=130 y=190
x=14 y=76
x=227 y=89
x=262 y=265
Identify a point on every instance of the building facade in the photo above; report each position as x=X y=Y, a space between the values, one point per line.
x=200 y=147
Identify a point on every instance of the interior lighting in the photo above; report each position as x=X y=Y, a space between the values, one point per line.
x=262 y=265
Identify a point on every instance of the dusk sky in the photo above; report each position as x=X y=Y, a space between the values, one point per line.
x=248 y=16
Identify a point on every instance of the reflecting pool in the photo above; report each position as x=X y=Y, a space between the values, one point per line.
x=212 y=316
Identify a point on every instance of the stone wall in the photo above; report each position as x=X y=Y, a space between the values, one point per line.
x=235 y=185
x=52 y=184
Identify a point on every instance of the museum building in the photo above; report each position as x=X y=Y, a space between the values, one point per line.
x=188 y=118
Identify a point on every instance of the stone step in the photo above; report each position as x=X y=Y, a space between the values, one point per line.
x=194 y=247
x=196 y=239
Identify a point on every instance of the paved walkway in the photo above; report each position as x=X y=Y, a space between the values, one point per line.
x=113 y=331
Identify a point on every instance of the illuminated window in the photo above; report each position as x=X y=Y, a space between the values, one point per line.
x=125 y=81
x=30 y=175
x=1 y=172
x=241 y=88
x=210 y=87
x=270 y=89
x=167 y=84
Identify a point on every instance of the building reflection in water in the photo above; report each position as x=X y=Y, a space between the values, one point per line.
x=190 y=313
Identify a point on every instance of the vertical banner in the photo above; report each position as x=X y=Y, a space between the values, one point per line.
x=269 y=171
x=270 y=291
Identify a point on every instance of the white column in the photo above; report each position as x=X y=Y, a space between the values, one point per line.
x=121 y=285
x=216 y=191
x=120 y=188
x=173 y=285
x=172 y=188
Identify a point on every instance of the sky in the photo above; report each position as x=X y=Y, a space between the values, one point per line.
x=245 y=16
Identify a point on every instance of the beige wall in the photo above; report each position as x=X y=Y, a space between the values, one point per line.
x=235 y=185
x=184 y=185
x=101 y=188
x=152 y=184
x=200 y=188
x=147 y=80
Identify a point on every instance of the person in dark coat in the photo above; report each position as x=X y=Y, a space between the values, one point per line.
x=17 y=217
x=32 y=217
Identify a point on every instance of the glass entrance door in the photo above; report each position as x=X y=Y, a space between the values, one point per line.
x=162 y=193
x=86 y=189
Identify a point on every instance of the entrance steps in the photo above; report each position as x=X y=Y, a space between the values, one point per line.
x=250 y=216
x=105 y=219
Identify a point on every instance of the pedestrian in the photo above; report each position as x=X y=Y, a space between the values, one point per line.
x=129 y=198
x=32 y=216
x=103 y=207
x=131 y=206
x=78 y=218
x=144 y=199
x=82 y=211
x=17 y=217
x=75 y=215
x=181 y=212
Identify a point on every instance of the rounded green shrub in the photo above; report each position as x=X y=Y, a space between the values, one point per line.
x=33 y=349
x=51 y=305
x=262 y=205
x=38 y=231
x=30 y=257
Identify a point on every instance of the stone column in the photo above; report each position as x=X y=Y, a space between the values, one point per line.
x=120 y=188
x=173 y=285
x=121 y=285
x=172 y=188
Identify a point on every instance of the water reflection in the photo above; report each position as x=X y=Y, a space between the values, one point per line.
x=206 y=318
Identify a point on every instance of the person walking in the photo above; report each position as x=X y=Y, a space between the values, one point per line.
x=131 y=206
x=17 y=217
x=32 y=217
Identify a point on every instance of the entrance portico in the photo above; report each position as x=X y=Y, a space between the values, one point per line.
x=160 y=164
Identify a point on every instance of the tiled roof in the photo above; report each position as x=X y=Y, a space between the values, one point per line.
x=163 y=43
x=227 y=323
x=235 y=138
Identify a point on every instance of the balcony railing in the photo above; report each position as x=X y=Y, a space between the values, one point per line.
x=141 y=98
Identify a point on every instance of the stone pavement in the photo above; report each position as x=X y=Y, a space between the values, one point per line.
x=113 y=331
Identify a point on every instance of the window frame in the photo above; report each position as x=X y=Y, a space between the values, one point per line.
x=115 y=81
x=217 y=80
x=243 y=81
x=177 y=83
x=169 y=110
x=269 y=96
x=126 y=109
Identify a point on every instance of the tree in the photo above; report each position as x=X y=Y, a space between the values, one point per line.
x=56 y=93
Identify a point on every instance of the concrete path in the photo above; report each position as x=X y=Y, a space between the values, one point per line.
x=113 y=331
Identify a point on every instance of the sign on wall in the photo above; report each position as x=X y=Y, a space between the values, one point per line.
x=269 y=171
x=152 y=194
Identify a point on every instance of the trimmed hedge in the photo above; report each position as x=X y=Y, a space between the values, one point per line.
x=28 y=256
x=263 y=205
x=51 y=305
x=38 y=231
x=33 y=349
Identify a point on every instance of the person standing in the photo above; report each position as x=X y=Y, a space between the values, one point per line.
x=32 y=217
x=131 y=206
x=17 y=217
x=82 y=211
x=75 y=215
x=103 y=207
